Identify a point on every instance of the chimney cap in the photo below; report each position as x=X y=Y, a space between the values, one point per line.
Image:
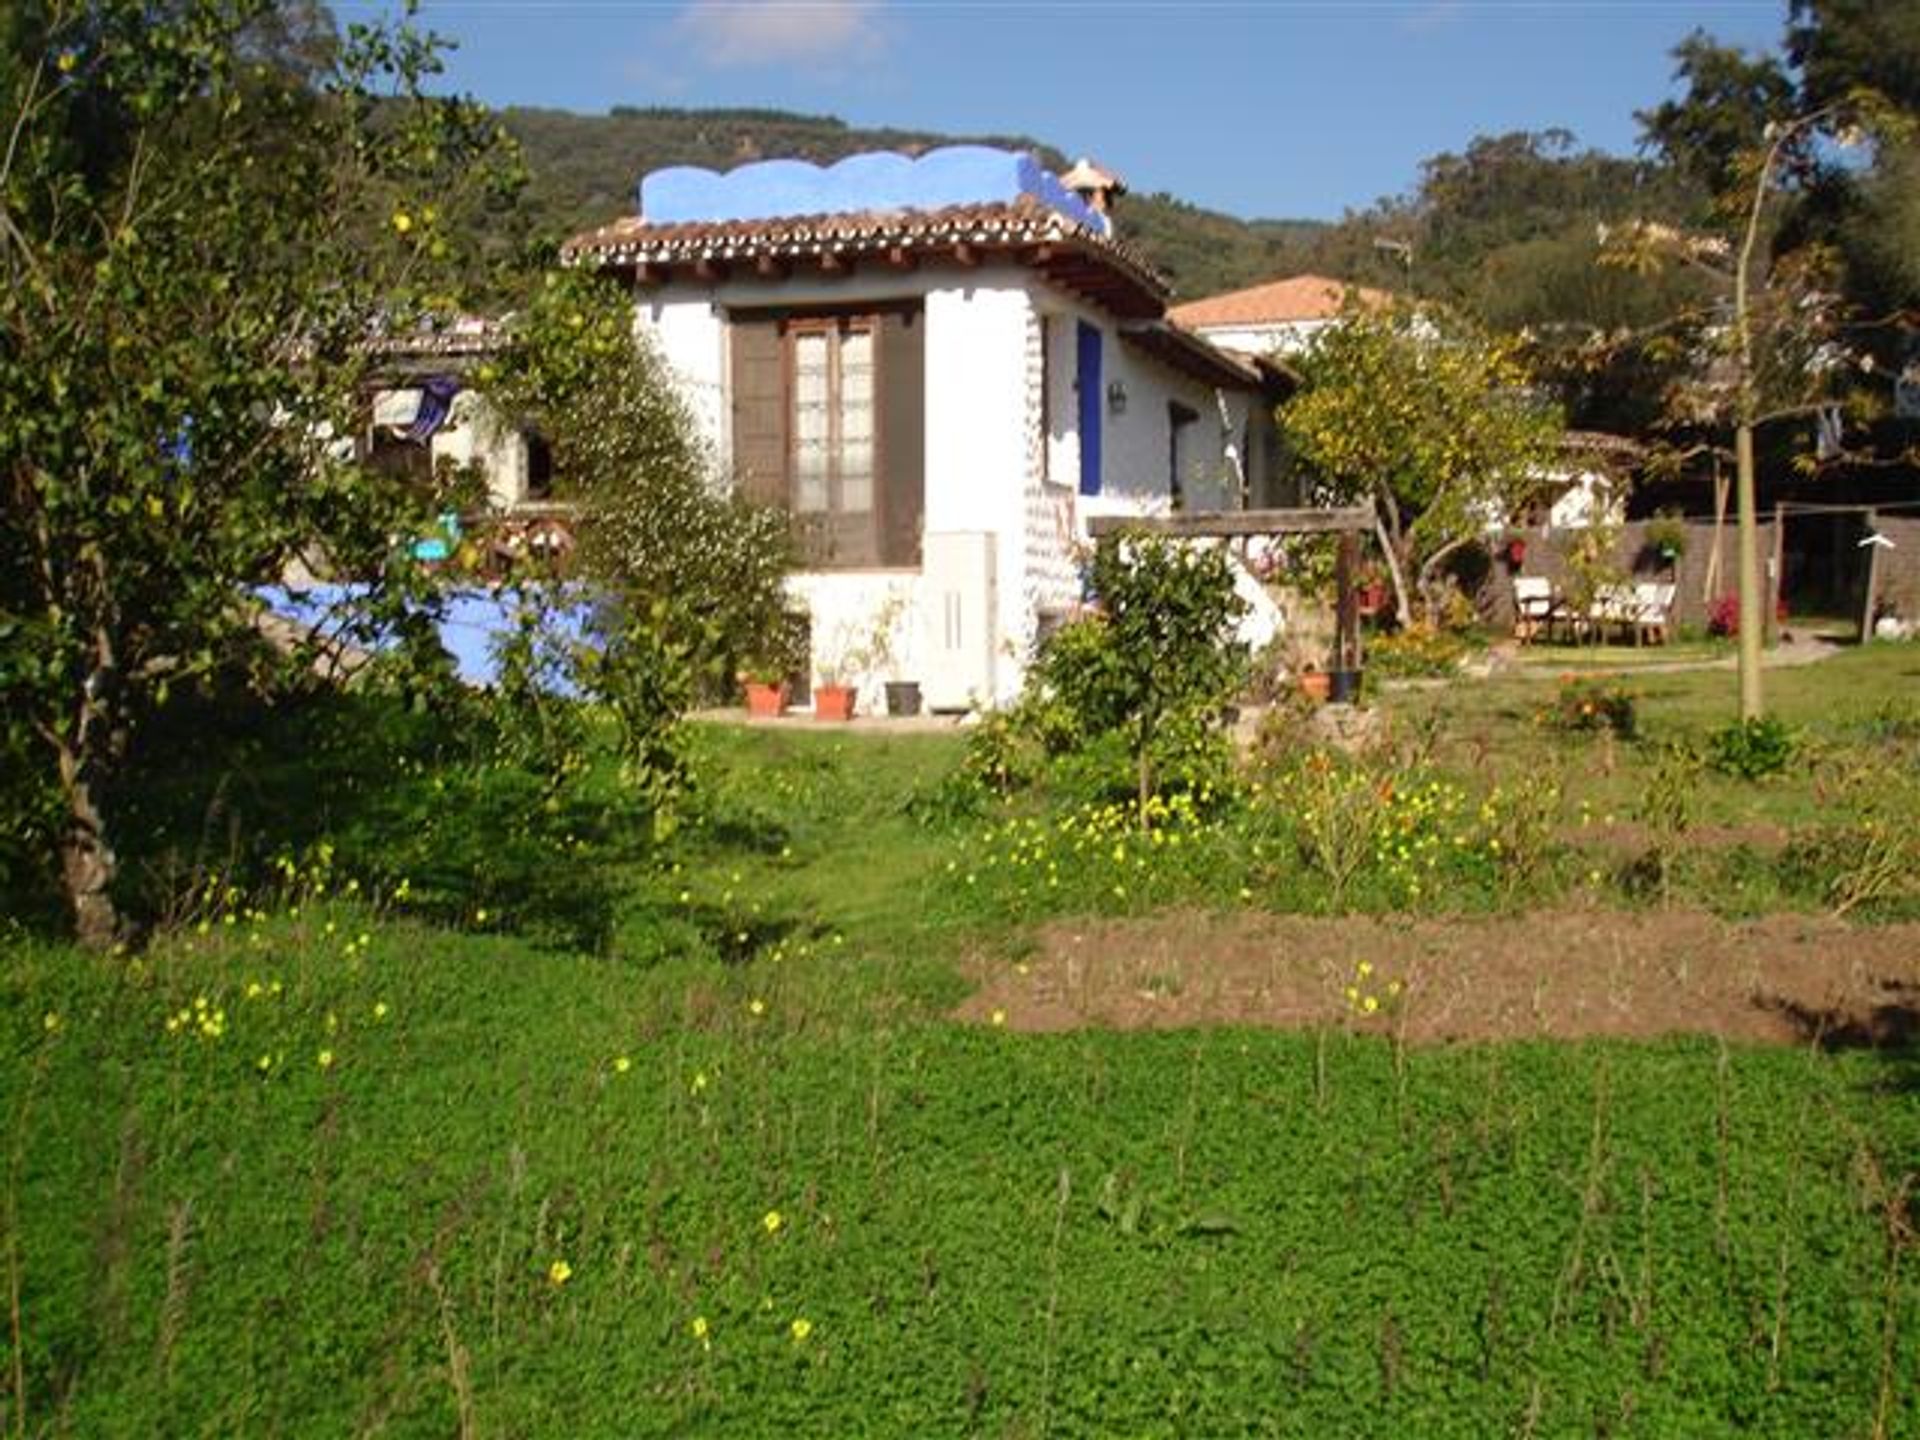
x=1087 y=176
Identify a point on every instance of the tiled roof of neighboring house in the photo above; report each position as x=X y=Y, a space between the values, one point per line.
x=449 y=347
x=1278 y=302
x=1067 y=251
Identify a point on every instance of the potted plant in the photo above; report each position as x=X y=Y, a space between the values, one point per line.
x=1307 y=663
x=839 y=664
x=1666 y=538
x=767 y=669
x=903 y=696
x=832 y=697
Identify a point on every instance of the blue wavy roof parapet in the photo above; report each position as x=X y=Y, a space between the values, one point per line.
x=876 y=180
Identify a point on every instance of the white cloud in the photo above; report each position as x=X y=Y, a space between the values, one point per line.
x=746 y=33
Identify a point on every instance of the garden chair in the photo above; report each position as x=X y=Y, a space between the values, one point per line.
x=1614 y=605
x=1535 y=607
x=1653 y=611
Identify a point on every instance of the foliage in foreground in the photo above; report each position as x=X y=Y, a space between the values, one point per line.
x=305 y=1175
x=201 y=232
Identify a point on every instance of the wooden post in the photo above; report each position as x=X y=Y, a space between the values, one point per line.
x=1774 y=568
x=1346 y=603
x=1873 y=580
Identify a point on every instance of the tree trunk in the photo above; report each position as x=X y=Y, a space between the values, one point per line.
x=87 y=862
x=1389 y=547
x=1752 y=619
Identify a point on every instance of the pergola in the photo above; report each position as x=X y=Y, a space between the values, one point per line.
x=1349 y=522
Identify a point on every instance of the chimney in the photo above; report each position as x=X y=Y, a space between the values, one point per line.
x=1098 y=187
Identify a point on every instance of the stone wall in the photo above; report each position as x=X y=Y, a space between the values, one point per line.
x=1546 y=555
x=1896 y=577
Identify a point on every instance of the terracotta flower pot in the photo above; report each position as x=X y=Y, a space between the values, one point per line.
x=766 y=701
x=1316 y=684
x=833 y=702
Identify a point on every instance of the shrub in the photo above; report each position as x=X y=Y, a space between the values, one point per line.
x=1588 y=705
x=1723 y=616
x=1418 y=651
x=1156 y=667
x=1752 y=749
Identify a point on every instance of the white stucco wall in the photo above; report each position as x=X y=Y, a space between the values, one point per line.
x=1288 y=337
x=476 y=434
x=691 y=335
x=977 y=440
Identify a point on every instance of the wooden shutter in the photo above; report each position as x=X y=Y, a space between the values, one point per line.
x=759 y=410
x=903 y=436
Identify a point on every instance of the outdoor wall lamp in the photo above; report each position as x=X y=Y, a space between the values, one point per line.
x=1117 y=398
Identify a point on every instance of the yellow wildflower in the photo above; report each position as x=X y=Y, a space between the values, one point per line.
x=326 y=1059
x=772 y=1221
x=559 y=1272
x=801 y=1328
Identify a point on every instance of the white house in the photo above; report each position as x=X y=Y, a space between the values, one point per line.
x=943 y=366
x=1279 y=318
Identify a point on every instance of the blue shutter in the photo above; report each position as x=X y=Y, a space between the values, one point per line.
x=1090 y=393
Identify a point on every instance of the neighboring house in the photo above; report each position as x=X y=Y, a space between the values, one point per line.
x=1276 y=319
x=422 y=417
x=943 y=367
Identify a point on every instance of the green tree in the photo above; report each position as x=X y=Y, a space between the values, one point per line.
x=1771 y=342
x=1169 y=662
x=1434 y=421
x=205 y=210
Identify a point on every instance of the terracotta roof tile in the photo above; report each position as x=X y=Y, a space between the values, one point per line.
x=633 y=240
x=1301 y=297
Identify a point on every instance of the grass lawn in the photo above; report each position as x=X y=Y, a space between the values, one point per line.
x=543 y=1130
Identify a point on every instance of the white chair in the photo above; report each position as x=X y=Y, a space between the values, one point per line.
x=1614 y=605
x=1534 y=607
x=1653 y=611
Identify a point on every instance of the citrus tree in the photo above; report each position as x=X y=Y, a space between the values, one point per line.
x=1435 y=422
x=206 y=208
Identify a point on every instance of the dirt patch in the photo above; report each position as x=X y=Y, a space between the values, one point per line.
x=1563 y=974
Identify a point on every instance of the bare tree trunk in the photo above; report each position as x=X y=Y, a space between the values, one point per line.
x=1389 y=547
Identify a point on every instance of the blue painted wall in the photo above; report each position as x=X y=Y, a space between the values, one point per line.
x=874 y=181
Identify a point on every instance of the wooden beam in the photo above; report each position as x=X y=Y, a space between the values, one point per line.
x=709 y=269
x=1199 y=524
x=965 y=254
x=901 y=258
x=832 y=264
x=772 y=266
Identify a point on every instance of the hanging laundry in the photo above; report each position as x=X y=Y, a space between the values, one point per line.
x=436 y=403
x=1830 y=434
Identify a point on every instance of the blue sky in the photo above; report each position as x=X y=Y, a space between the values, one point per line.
x=1257 y=107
